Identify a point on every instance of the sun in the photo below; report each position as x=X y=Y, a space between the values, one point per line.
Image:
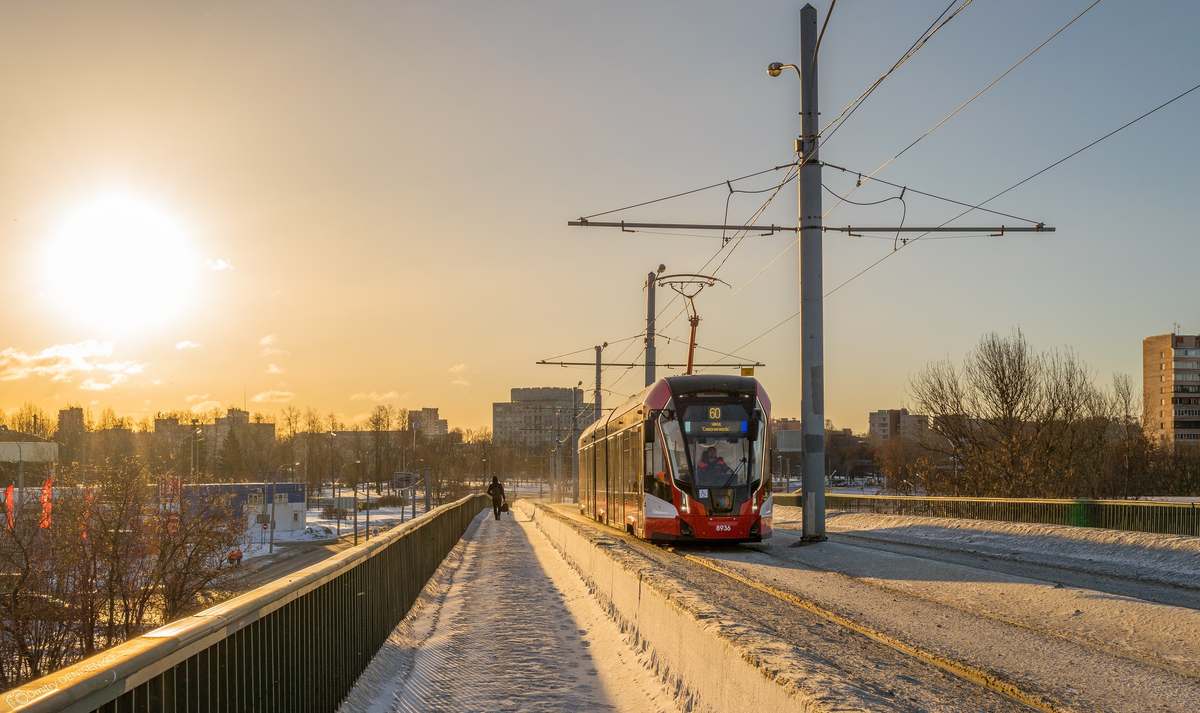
x=120 y=262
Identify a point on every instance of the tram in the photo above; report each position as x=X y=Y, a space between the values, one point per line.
x=682 y=460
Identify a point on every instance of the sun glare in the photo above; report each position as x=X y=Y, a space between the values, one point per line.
x=120 y=262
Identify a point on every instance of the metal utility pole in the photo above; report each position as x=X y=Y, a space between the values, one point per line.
x=599 y=349
x=651 y=354
x=575 y=431
x=812 y=339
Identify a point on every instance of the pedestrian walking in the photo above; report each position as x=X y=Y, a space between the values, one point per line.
x=496 y=490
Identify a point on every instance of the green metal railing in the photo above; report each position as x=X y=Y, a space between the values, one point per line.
x=1131 y=515
x=297 y=644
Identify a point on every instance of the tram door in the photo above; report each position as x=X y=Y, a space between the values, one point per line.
x=600 y=478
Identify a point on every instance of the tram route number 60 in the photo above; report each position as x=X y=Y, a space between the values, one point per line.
x=714 y=413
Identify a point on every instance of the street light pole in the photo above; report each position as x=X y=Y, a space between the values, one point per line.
x=812 y=347
x=812 y=329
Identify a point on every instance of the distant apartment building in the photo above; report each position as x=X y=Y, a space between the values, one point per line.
x=890 y=423
x=1171 y=387
x=537 y=417
x=430 y=424
x=788 y=438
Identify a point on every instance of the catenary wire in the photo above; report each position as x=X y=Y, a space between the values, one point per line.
x=964 y=104
x=842 y=118
x=1018 y=183
x=687 y=193
x=922 y=193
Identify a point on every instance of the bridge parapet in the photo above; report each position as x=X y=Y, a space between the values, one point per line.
x=1167 y=518
x=295 y=644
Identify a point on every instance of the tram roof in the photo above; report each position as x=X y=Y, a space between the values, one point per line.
x=678 y=386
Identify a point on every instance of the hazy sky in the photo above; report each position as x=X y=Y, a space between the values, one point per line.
x=342 y=204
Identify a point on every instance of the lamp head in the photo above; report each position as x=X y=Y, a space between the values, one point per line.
x=775 y=69
x=661 y=268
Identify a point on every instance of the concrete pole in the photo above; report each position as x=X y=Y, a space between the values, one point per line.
x=812 y=348
x=598 y=350
x=574 y=448
x=651 y=354
x=427 y=474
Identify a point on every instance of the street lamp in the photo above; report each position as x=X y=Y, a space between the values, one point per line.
x=775 y=68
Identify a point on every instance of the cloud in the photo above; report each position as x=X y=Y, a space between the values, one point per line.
x=272 y=369
x=195 y=397
x=269 y=339
x=457 y=369
x=272 y=397
x=186 y=344
x=205 y=406
x=218 y=264
x=460 y=382
x=271 y=352
x=374 y=396
x=65 y=362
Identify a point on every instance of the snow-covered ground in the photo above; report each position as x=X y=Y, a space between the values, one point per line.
x=506 y=625
x=320 y=529
x=992 y=595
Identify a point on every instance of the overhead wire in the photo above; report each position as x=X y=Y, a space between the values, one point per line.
x=1019 y=183
x=964 y=104
x=841 y=119
x=687 y=193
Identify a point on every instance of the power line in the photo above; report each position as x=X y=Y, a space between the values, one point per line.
x=914 y=190
x=1019 y=183
x=846 y=113
x=964 y=104
x=687 y=193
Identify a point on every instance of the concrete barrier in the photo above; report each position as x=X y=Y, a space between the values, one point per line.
x=693 y=645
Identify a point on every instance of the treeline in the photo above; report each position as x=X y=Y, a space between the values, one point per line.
x=1011 y=421
x=97 y=558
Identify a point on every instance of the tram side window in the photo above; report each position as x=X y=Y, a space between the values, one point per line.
x=676 y=450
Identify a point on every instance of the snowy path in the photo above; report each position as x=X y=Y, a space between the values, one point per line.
x=506 y=625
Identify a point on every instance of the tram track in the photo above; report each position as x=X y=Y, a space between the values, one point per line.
x=855 y=668
x=958 y=668
x=1037 y=667
x=1041 y=631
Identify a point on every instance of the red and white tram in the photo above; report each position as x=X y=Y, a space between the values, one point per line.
x=682 y=460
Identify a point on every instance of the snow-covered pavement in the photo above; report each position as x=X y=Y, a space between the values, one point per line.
x=506 y=625
x=955 y=589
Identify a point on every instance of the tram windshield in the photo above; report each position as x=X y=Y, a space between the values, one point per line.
x=710 y=446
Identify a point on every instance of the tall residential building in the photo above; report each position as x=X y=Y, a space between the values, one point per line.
x=888 y=423
x=431 y=425
x=537 y=417
x=1171 y=387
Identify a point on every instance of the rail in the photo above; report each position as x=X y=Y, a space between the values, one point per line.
x=1130 y=515
x=296 y=644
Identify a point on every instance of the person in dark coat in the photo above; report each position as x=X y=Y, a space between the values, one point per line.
x=496 y=490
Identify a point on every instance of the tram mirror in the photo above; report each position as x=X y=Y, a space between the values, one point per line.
x=755 y=422
x=648 y=430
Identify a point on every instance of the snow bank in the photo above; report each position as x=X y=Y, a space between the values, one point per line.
x=687 y=640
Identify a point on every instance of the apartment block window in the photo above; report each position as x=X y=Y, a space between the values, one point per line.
x=1162 y=366
x=1187 y=377
x=1187 y=365
x=1187 y=352
x=1162 y=377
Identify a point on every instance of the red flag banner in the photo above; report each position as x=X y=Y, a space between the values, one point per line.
x=46 y=493
x=8 y=503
